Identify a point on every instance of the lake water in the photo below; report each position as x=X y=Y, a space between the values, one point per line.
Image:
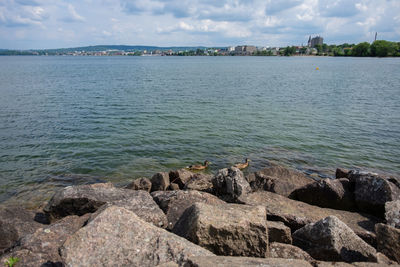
x=76 y=120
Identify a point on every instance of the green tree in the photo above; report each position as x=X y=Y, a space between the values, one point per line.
x=382 y=48
x=319 y=48
x=361 y=50
x=289 y=51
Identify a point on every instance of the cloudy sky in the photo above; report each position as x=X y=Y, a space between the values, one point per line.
x=26 y=24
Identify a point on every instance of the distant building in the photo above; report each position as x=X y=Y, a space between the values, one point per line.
x=312 y=42
x=245 y=49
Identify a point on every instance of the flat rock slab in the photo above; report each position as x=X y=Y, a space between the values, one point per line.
x=388 y=239
x=42 y=246
x=15 y=222
x=226 y=261
x=331 y=240
x=279 y=232
x=82 y=199
x=296 y=214
x=118 y=237
x=286 y=251
x=278 y=179
x=228 y=230
x=174 y=203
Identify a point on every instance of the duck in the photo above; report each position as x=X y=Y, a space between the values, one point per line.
x=242 y=166
x=198 y=167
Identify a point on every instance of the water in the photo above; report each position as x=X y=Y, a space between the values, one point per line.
x=75 y=120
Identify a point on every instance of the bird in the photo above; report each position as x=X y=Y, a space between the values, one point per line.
x=198 y=167
x=242 y=166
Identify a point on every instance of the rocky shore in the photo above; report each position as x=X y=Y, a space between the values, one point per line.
x=273 y=217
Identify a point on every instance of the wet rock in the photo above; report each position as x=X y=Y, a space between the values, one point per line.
x=388 y=239
x=15 y=222
x=200 y=182
x=140 y=184
x=372 y=192
x=226 y=261
x=286 y=251
x=180 y=177
x=130 y=242
x=228 y=230
x=174 y=203
x=392 y=213
x=278 y=179
x=173 y=186
x=230 y=184
x=79 y=200
x=327 y=193
x=331 y=240
x=341 y=173
x=297 y=214
x=279 y=232
x=160 y=181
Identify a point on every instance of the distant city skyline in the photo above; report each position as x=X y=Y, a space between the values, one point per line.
x=45 y=24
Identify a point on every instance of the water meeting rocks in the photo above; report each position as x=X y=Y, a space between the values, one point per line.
x=388 y=239
x=15 y=222
x=278 y=179
x=174 y=203
x=327 y=193
x=373 y=191
x=118 y=237
x=229 y=184
x=79 y=200
x=297 y=214
x=228 y=230
x=331 y=239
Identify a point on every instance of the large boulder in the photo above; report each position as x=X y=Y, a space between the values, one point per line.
x=160 y=182
x=200 y=182
x=373 y=191
x=41 y=247
x=117 y=237
x=227 y=261
x=388 y=239
x=297 y=214
x=331 y=240
x=140 y=184
x=286 y=251
x=174 y=203
x=228 y=230
x=229 y=184
x=180 y=177
x=327 y=193
x=392 y=213
x=278 y=179
x=15 y=222
x=279 y=232
x=82 y=199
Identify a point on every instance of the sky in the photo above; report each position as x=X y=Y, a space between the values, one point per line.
x=39 y=24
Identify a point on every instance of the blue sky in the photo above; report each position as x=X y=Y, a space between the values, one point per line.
x=26 y=24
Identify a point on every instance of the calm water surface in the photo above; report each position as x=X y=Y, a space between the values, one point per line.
x=76 y=120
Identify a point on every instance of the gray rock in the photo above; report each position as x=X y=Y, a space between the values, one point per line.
x=286 y=251
x=117 y=237
x=230 y=184
x=226 y=261
x=372 y=192
x=297 y=214
x=388 y=239
x=228 y=230
x=327 y=193
x=15 y=222
x=160 y=181
x=279 y=232
x=278 y=179
x=331 y=240
x=82 y=199
x=180 y=177
x=173 y=186
x=174 y=203
x=140 y=184
x=392 y=213
x=200 y=182
x=341 y=173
